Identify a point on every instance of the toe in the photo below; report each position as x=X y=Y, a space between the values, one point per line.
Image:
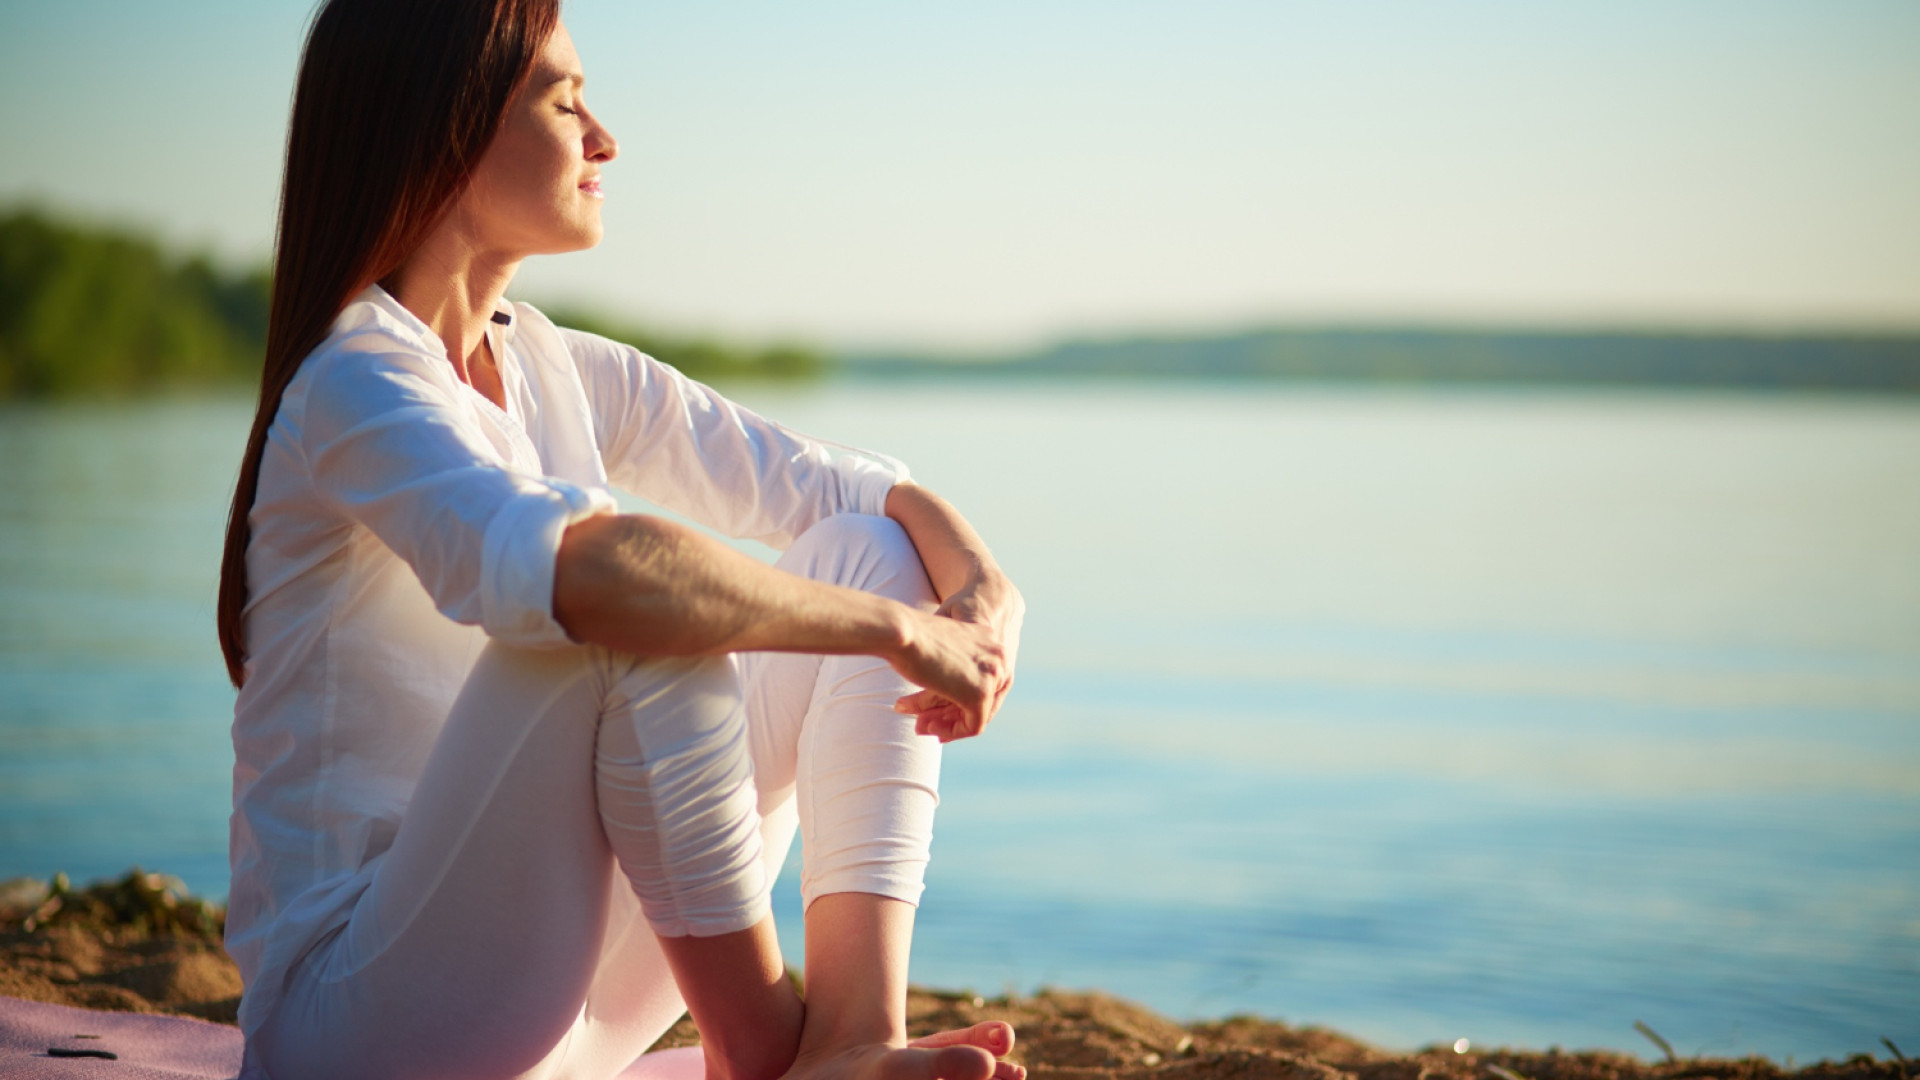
x=963 y=1063
x=993 y=1036
x=945 y=1063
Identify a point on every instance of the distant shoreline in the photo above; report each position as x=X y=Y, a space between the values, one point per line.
x=1417 y=356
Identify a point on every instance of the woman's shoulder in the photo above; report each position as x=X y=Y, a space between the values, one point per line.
x=371 y=362
x=576 y=347
x=371 y=340
x=610 y=372
x=373 y=329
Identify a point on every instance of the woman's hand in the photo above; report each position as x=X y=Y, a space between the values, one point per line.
x=966 y=665
x=977 y=597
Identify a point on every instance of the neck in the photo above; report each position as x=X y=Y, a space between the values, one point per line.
x=454 y=287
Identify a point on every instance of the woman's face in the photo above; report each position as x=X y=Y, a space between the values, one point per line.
x=536 y=190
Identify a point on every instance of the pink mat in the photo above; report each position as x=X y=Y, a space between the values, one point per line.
x=149 y=1047
x=176 y=1048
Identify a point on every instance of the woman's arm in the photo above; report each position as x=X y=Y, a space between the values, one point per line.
x=954 y=555
x=648 y=586
x=686 y=447
x=971 y=587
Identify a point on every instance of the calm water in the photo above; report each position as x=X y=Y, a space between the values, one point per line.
x=1515 y=716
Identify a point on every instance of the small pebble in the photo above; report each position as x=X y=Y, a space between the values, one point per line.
x=1150 y=1059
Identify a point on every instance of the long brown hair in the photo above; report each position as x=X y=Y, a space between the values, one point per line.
x=396 y=101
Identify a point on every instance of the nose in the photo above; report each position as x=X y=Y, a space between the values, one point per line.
x=600 y=143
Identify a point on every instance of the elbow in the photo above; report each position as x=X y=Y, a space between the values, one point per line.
x=582 y=571
x=613 y=587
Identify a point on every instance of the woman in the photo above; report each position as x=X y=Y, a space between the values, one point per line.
x=514 y=771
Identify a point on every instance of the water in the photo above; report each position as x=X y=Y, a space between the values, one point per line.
x=1508 y=715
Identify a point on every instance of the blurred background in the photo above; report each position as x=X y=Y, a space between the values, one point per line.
x=1463 y=462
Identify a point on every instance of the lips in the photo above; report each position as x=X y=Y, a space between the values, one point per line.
x=592 y=188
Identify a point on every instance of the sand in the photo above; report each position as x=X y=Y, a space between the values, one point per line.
x=141 y=945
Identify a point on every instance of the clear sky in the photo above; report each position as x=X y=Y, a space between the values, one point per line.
x=1007 y=171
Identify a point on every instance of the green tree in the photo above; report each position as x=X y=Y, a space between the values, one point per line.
x=699 y=358
x=85 y=310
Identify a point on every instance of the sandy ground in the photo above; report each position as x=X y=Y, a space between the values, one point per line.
x=139 y=945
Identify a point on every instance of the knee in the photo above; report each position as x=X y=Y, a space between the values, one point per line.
x=675 y=791
x=861 y=551
x=697 y=697
x=856 y=532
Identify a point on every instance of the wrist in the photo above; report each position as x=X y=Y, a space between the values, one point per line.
x=896 y=634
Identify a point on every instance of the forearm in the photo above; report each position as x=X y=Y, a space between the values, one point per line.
x=645 y=585
x=950 y=549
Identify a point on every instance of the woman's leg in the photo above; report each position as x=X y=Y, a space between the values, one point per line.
x=478 y=949
x=498 y=938
x=827 y=741
x=834 y=761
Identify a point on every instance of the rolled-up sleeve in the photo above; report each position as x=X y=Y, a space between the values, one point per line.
x=386 y=446
x=684 y=446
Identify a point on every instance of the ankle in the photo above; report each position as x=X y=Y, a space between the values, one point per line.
x=745 y=1062
x=826 y=1035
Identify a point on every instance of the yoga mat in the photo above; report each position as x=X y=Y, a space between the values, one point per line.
x=177 y=1048
x=149 y=1047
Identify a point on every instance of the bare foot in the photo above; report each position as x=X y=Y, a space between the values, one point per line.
x=966 y=1054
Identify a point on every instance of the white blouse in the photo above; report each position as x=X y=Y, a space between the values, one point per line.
x=402 y=518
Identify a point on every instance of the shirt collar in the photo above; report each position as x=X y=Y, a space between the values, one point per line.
x=506 y=319
x=380 y=301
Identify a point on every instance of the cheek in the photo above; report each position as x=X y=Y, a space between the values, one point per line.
x=528 y=175
x=524 y=168
x=525 y=191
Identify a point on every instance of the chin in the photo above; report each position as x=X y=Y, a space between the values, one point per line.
x=588 y=230
x=579 y=238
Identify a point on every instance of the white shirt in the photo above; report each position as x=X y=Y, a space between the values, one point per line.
x=401 y=519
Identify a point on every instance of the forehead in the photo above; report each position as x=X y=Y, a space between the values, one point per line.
x=558 y=61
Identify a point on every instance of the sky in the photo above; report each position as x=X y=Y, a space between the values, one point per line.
x=1004 y=173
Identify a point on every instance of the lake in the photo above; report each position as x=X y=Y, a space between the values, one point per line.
x=1423 y=714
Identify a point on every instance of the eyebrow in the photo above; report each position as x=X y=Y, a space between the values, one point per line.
x=573 y=77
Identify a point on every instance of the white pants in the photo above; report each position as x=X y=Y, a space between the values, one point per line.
x=579 y=801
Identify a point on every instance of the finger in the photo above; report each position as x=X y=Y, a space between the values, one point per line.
x=942 y=714
x=970 y=723
x=1000 y=696
x=918 y=702
x=990 y=710
x=948 y=726
x=916 y=705
x=941 y=721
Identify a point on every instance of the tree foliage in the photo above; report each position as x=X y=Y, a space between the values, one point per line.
x=96 y=311
x=701 y=358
